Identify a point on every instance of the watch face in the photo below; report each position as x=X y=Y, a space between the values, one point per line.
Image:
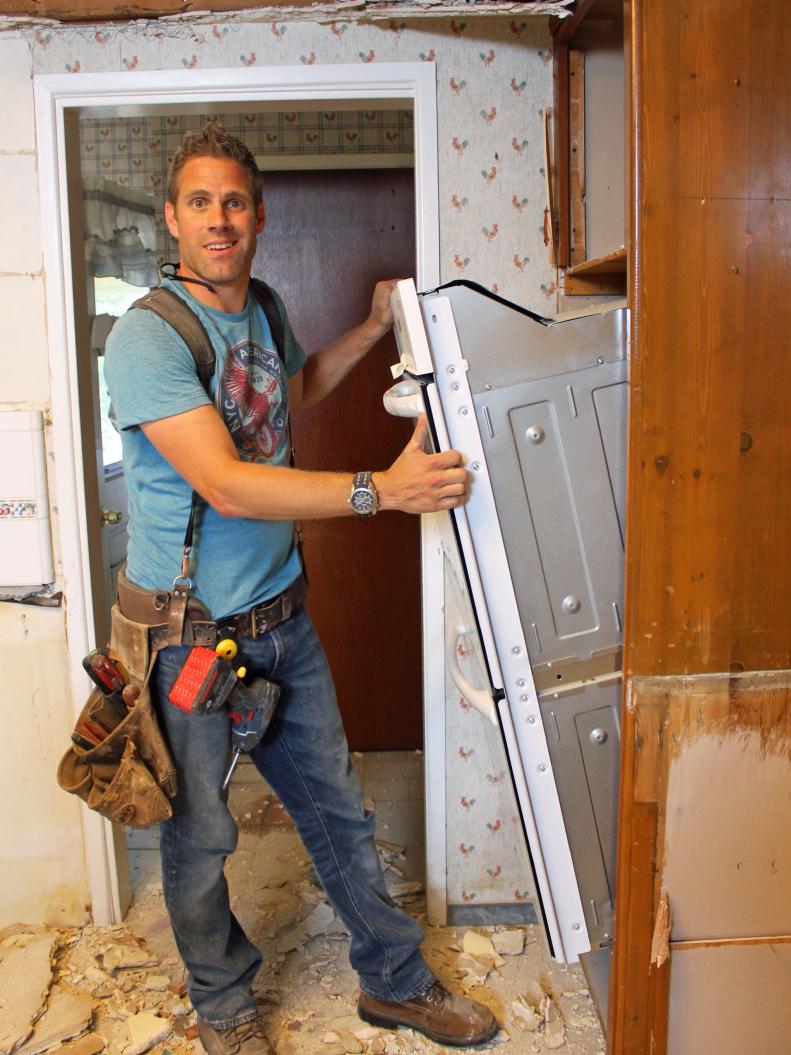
x=362 y=502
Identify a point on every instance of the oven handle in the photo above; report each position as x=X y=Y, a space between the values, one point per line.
x=480 y=699
x=404 y=399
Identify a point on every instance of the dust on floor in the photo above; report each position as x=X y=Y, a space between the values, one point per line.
x=122 y=989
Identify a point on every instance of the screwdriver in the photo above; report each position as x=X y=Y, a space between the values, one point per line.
x=111 y=707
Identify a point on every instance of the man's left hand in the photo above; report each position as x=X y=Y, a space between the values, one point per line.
x=381 y=315
x=328 y=367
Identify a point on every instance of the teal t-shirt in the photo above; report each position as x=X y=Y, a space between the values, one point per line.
x=236 y=563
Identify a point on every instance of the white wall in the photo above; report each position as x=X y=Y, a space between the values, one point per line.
x=494 y=77
x=42 y=872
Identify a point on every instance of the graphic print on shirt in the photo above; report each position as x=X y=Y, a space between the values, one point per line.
x=251 y=400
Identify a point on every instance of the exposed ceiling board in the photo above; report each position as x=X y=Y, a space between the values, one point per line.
x=108 y=11
x=587 y=13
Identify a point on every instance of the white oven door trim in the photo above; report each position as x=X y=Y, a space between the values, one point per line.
x=449 y=400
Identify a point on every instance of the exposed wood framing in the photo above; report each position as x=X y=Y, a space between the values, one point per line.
x=560 y=202
x=603 y=274
x=550 y=188
x=577 y=155
x=639 y=988
x=110 y=11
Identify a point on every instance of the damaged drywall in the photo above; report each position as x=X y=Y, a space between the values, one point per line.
x=14 y=15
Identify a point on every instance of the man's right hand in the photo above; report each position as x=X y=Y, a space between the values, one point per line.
x=418 y=482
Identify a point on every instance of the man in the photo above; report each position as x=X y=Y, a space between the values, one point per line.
x=232 y=450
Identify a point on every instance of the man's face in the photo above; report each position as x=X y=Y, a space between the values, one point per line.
x=215 y=220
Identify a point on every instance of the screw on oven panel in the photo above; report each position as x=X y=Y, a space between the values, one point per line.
x=476 y=466
x=516 y=650
x=571 y=604
x=542 y=768
x=463 y=411
x=451 y=369
x=521 y=683
x=455 y=386
x=576 y=926
x=524 y=698
x=488 y=388
x=535 y=434
x=600 y=360
x=598 y=736
x=531 y=720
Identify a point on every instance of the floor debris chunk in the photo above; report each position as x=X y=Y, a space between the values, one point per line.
x=509 y=942
x=404 y=889
x=146 y=1030
x=89 y=1044
x=554 y=1025
x=477 y=944
x=66 y=1016
x=157 y=982
x=25 y=979
x=126 y=958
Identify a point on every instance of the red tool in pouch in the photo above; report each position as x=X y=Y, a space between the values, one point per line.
x=204 y=683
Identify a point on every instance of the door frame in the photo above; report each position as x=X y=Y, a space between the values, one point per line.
x=56 y=94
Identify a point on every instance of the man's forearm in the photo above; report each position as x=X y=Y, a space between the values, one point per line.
x=199 y=447
x=325 y=370
x=268 y=492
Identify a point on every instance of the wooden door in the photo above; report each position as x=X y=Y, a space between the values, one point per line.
x=329 y=237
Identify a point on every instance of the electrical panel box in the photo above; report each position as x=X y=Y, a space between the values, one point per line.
x=25 y=540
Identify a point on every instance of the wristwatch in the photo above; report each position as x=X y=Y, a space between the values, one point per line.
x=363 y=497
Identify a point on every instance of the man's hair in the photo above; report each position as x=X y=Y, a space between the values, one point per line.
x=213 y=141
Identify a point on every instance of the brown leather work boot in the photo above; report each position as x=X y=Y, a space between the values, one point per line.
x=247 y=1039
x=444 y=1017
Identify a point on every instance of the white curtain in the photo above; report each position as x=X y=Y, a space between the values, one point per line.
x=120 y=232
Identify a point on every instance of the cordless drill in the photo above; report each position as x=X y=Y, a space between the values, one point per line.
x=250 y=709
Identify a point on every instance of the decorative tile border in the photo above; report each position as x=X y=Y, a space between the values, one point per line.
x=18 y=509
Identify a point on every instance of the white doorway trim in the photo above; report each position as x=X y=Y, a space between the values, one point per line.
x=414 y=84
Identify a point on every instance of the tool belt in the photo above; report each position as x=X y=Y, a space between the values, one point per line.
x=152 y=608
x=129 y=777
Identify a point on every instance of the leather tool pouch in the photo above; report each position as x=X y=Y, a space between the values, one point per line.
x=130 y=776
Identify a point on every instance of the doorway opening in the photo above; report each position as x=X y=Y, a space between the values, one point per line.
x=337 y=222
x=386 y=203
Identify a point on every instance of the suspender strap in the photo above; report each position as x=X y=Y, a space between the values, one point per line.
x=175 y=311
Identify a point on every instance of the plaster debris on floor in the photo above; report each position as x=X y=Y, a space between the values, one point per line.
x=122 y=989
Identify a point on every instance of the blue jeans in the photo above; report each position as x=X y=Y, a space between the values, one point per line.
x=304 y=758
